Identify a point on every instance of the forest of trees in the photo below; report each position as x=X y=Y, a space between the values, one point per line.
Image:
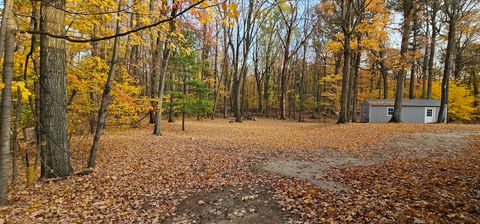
x=74 y=67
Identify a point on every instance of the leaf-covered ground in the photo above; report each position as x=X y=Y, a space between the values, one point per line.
x=266 y=171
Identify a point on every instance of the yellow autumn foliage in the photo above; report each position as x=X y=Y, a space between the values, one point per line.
x=460 y=101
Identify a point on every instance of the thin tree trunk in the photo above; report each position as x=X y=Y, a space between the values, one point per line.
x=163 y=71
x=411 y=90
x=356 y=75
x=433 y=43
x=53 y=87
x=105 y=96
x=424 y=70
x=302 y=84
x=184 y=95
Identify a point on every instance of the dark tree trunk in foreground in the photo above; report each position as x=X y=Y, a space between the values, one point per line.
x=407 y=13
x=6 y=104
x=105 y=97
x=55 y=156
x=346 y=16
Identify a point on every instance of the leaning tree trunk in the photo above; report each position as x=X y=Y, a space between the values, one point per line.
x=55 y=156
x=105 y=97
x=6 y=104
x=407 y=12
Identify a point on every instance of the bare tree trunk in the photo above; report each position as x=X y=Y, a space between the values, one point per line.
x=53 y=87
x=302 y=84
x=433 y=43
x=218 y=80
x=407 y=12
x=163 y=71
x=452 y=23
x=105 y=96
x=356 y=75
x=411 y=90
x=345 y=81
x=6 y=103
x=353 y=59
x=346 y=16
x=425 y=64
x=185 y=95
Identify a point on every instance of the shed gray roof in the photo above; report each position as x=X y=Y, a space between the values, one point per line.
x=406 y=102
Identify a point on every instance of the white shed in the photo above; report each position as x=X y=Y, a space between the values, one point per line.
x=413 y=111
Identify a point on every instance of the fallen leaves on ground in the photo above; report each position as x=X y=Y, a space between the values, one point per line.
x=144 y=178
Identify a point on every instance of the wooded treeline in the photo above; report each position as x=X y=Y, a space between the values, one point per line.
x=76 y=67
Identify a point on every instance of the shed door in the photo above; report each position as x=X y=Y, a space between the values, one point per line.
x=429 y=113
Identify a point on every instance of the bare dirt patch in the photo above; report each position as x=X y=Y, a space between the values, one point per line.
x=412 y=145
x=439 y=143
x=231 y=205
x=313 y=171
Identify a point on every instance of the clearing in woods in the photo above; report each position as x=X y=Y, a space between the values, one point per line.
x=267 y=171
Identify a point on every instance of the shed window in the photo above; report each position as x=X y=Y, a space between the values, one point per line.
x=364 y=110
x=429 y=112
x=389 y=111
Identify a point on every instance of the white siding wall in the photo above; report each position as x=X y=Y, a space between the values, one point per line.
x=409 y=114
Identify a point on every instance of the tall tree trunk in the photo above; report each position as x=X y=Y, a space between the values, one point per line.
x=102 y=111
x=218 y=80
x=356 y=75
x=347 y=17
x=353 y=60
x=411 y=90
x=452 y=23
x=433 y=43
x=302 y=83
x=6 y=103
x=345 y=81
x=53 y=88
x=163 y=71
x=425 y=66
x=407 y=13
